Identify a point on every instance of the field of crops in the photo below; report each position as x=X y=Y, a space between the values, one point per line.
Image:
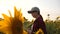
x=53 y=27
x=19 y=25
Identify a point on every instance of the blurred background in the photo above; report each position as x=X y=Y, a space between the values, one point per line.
x=49 y=9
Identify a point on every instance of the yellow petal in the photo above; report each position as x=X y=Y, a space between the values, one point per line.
x=6 y=18
x=10 y=13
x=16 y=13
x=21 y=16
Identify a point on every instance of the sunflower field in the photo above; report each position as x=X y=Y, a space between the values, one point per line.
x=19 y=24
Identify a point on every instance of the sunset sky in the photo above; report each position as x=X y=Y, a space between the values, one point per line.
x=51 y=7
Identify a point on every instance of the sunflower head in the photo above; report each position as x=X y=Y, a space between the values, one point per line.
x=40 y=31
x=14 y=24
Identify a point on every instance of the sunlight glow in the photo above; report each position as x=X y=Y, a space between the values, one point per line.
x=46 y=7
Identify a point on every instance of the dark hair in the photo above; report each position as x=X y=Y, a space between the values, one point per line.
x=38 y=12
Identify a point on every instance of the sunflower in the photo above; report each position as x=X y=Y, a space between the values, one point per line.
x=13 y=25
x=39 y=31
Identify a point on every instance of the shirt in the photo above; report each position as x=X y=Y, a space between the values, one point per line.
x=39 y=23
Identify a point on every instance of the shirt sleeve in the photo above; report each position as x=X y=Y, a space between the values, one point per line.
x=42 y=25
x=37 y=25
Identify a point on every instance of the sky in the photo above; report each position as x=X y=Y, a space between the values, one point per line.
x=51 y=7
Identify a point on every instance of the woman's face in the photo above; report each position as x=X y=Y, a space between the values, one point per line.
x=34 y=14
